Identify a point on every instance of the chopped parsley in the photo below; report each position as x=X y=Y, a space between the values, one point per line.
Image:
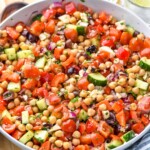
x=75 y=99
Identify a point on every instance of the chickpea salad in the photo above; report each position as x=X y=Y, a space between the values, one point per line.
x=74 y=79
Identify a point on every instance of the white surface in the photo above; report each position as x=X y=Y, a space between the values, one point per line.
x=98 y=5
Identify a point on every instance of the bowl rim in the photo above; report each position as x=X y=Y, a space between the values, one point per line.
x=122 y=147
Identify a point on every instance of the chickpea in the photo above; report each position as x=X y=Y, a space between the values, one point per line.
x=30 y=144
x=1 y=91
x=87 y=100
x=131 y=82
x=76 y=134
x=102 y=107
x=118 y=89
x=112 y=85
x=77 y=14
x=71 y=105
x=83 y=93
x=52 y=119
x=63 y=57
x=108 y=64
x=16 y=101
x=73 y=20
x=59 y=133
x=21 y=127
x=43 y=19
x=87 y=42
x=46 y=113
x=135 y=90
x=60 y=23
x=136 y=69
x=142 y=72
x=122 y=81
x=95 y=16
x=24 y=47
x=81 y=58
x=71 y=96
x=29 y=126
x=8 y=62
x=22 y=38
x=148 y=80
x=78 y=103
x=59 y=121
x=91 y=112
x=19 y=28
x=132 y=75
x=102 y=66
x=35 y=109
x=44 y=118
x=80 y=39
x=100 y=98
x=91 y=86
x=36 y=147
x=135 y=57
x=11 y=105
x=133 y=106
x=17 y=123
x=75 y=141
x=140 y=36
x=66 y=145
x=58 y=143
x=52 y=139
x=4 y=84
x=16 y=46
x=14 y=63
x=109 y=97
x=54 y=89
x=70 y=88
x=10 y=67
x=3 y=57
x=139 y=97
x=50 y=108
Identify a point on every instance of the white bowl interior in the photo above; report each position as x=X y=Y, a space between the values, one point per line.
x=26 y=13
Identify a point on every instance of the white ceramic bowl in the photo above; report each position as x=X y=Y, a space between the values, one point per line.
x=26 y=13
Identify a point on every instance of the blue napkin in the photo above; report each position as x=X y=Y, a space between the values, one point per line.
x=142 y=144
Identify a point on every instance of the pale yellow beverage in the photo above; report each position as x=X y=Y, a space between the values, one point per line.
x=142 y=3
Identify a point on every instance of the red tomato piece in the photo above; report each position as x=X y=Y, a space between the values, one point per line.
x=108 y=41
x=46 y=77
x=123 y=54
x=59 y=78
x=36 y=50
x=9 y=128
x=57 y=52
x=105 y=18
x=69 y=61
x=55 y=38
x=50 y=27
x=92 y=31
x=1 y=67
x=145 y=53
x=136 y=44
x=19 y=64
x=40 y=92
x=83 y=8
x=17 y=134
x=45 y=146
x=12 y=33
x=91 y=125
x=103 y=56
x=115 y=33
x=138 y=128
x=145 y=120
x=144 y=104
x=86 y=139
x=49 y=13
x=118 y=106
x=6 y=120
x=30 y=84
x=97 y=139
x=30 y=71
x=121 y=118
x=68 y=126
x=83 y=83
x=71 y=34
x=70 y=8
x=125 y=38
x=105 y=129
x=18 y=110
x=147 y=42
x=82 y=147
x=134 y=116
x=37 y=27
x=53 y=99
x=82 y=128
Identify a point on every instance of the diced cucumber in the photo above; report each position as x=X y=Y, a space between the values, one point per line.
x=113 y=144
x=84 y=17
x=25 y=54
x=41 y=104
x=128 y=136
x=95 y=41
x=130 y=30
x=71 y=26
x=65 y=18
x=83 y=115
x=141 y=84
x=106 y=114
x=25 y=117
x=41 y=136
x=14 y=87
x=81 y=30
x=97 y=79
x=40 y=63
x=26 y=137
x=145 y=64
x=6 y=113
x=11 y=53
